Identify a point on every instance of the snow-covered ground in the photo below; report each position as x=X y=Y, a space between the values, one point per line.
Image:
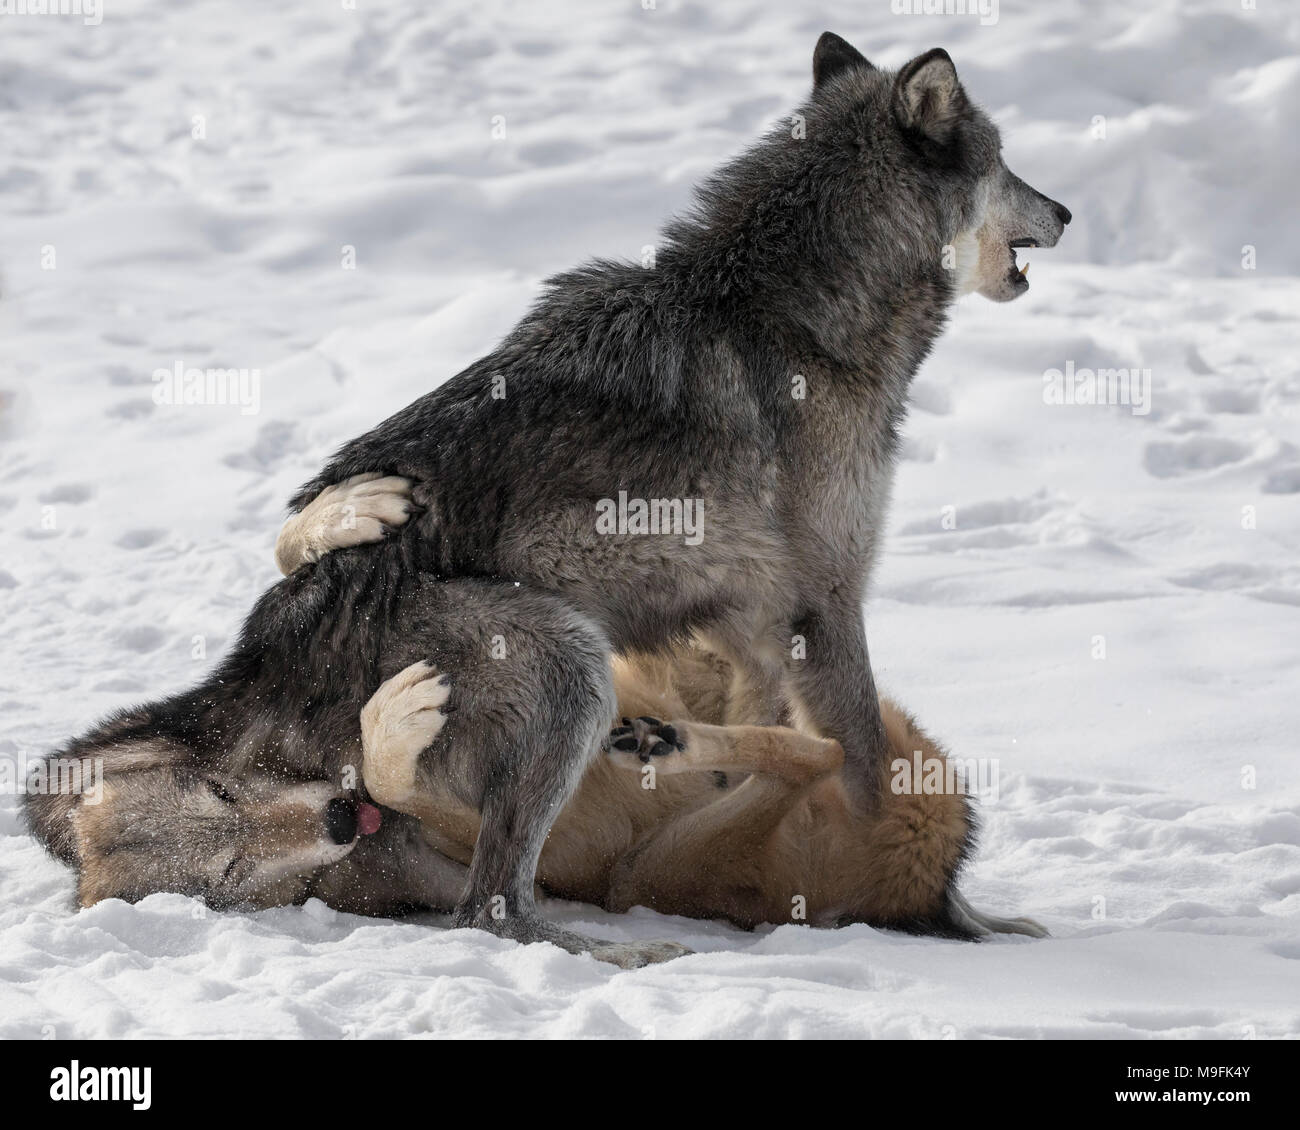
x=1149 y=810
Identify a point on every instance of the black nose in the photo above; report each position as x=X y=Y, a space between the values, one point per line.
x=1062 y=212
x=341 y=820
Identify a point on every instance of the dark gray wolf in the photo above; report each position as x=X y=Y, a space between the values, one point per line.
x=689 y=816
x=758 y=371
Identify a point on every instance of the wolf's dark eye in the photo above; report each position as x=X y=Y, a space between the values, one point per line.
x=219 y=791
x=230 y=869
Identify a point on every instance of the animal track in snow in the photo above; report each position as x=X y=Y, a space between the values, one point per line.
x=140 y=539
x=73 y=493
x=1167 y=460
x=1285 y=480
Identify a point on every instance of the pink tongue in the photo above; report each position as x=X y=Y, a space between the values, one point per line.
x=369 y=818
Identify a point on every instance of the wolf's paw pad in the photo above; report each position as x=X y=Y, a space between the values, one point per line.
x=644 y=738
x=402 y=717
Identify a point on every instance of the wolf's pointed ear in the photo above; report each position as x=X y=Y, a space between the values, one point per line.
x=833 y=56
x=928 y=96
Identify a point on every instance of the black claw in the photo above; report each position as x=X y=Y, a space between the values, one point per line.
x=648 y=720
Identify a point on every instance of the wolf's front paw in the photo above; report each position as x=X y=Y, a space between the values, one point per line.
x=640 y=739
x=402 y=717
x=356 y=511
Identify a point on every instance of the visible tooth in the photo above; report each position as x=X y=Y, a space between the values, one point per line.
x=1024 y=270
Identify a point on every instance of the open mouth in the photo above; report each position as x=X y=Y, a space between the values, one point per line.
x=1019 y=276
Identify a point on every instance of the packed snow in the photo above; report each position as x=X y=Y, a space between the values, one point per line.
x=1104 y=598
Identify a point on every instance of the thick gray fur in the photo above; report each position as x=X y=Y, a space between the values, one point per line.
x=812 y=263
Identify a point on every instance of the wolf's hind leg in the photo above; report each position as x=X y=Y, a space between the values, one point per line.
x=532 y=774
x=694 y=747
x=497 y=746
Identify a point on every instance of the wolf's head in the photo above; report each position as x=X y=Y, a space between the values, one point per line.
x=252 y=841
x=942 y=158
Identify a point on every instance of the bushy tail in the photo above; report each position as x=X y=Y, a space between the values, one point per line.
x=976 y=924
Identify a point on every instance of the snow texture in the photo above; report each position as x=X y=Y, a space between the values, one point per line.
x=1148 y=811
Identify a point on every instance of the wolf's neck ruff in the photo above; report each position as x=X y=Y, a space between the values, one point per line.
x=777 y=247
